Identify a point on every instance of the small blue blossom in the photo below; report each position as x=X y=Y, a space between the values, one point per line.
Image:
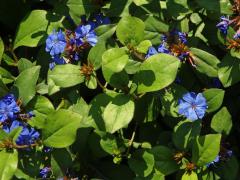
x=27 y=136
x=100 y=19
x=237 y=35
x=55 y=43
x=183 y=56
x=56 y=60
x=193 y=106
x=164 y=38
x=47 y=149
x=85 y=33
x=163 y=49
x=216 y=83
x=181 y=36
x=151 y=51
x=223 y=25
x=8 y=107
x=216 y=160
x=45 y=172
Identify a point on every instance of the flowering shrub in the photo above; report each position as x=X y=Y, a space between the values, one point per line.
x=119 y=89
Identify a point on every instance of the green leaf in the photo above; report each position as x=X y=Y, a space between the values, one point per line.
x=164 y=163
x=141 y=2
x=77 y=8
x=119 y=8
x=6 y=76
x=66 y=75
x=206 y=63
x=95 y=55
x=144 y=46
x=104 y=32
x=222 y=121
x=229 y=70
x=230 y=170
x=1 y=48
x=41 y=107
x=63 y=158
x=113 y=62
x=130 y=30
x=3 y=89
x=118 y=113
x=132 y=66
x=109 y=144
x=91 y=83
x=214 y=98
x=141 y=163
x=178 y=7
x=8 y=164
x=220 y=6
x=8 y=60
x=61 y=128
x=24 y=64
x=154 y=28
x=185 y=132
x=26 y=83
x=34 y=27
x=205 y=149
x=189 y=176
x=169 y=99
x=97 y=107
x=156 y=73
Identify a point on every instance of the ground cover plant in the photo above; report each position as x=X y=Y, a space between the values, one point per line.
x=120 y=89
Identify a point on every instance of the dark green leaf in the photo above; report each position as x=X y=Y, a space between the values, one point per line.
x=141 y=163
x=222 y=121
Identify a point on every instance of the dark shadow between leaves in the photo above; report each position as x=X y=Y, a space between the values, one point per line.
x=145 y=77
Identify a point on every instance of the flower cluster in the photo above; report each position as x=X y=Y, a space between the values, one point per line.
x=173 y=43
x=234 y=21
x=45 y=172
x=193 y=106
x=67 y=47
x=12 y=118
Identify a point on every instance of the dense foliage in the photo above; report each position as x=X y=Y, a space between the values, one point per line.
x=120 y=89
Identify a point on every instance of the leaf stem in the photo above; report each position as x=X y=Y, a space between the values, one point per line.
x=130 y=143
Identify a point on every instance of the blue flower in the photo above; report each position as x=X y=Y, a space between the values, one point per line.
x=27 y=136
x=55 y=43
x=193 y=106
x=45 y=172
x=56 y=60
x=151 y=51
x=183 y=56
x=85 y=33
x=182 y=37
x=164 y=38
x=216 y=160
x=223 y=25
x=163 y=49
x=8 y=107
x=100 y=19
x=216 y=83
x=237 y=35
